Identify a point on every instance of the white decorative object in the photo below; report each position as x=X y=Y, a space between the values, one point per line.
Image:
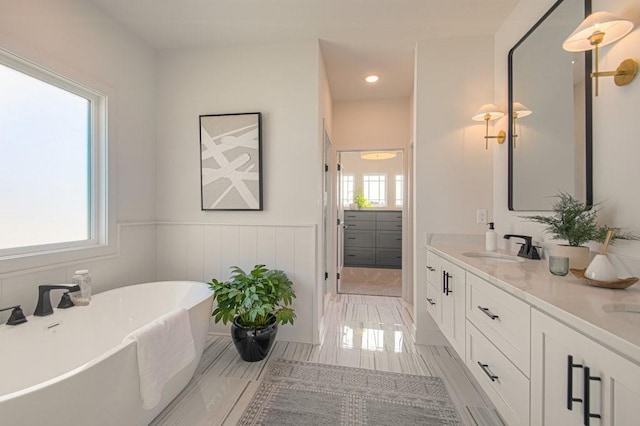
x=600 y=269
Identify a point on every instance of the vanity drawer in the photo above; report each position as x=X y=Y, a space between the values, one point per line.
x=389 y=226
x=389 y=217
x=504 y=319
x=359 y=256
x=350 y=216
x=505 y=385
x=359 y=238
x=389 y=239
x=389 y=257
x=360 y=225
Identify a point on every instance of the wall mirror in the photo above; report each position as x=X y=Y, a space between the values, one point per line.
x=550 y=108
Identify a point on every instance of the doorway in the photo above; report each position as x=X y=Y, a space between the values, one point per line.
x=371 y=199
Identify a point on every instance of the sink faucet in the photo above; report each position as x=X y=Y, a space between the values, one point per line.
x=528 y=250
x=44 y=300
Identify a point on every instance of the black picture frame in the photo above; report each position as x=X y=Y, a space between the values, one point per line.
x=231 y=162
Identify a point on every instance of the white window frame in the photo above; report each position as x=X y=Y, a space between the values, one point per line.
x=399 y=195
x=346 y=202
x=383 y=192
x=102 y=228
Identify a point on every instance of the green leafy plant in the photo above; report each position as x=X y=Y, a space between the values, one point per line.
x=360 y=200
x=577 y=222
x=253 y=296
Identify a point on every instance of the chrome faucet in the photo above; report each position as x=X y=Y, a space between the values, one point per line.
x=528 y=250
x=44 y=300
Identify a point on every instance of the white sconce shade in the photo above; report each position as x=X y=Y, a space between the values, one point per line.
x=600 y=29
x=489 y=110
x=377 y=155
x=613 y=27
x=520 y=110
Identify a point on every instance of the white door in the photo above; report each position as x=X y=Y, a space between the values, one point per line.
x=326 y=212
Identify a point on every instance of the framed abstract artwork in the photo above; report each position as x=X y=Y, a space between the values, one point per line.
x=231 y=161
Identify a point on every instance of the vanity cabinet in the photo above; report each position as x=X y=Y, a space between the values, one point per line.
x=373 y=238
x=577 y=381
x=497 y=347
x=446 y=284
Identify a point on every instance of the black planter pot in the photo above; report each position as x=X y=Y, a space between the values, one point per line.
x=254 y=343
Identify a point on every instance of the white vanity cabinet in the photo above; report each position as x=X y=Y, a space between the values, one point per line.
x=446 y=299
x=577 y=381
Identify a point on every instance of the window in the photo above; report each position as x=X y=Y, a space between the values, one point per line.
x=51 y=147
x=375 y=189
x=347 y=190
x=399 y=191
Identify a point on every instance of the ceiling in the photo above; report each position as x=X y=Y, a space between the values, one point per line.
x=358 y=36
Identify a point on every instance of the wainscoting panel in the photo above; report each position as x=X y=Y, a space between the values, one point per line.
x=200 y=252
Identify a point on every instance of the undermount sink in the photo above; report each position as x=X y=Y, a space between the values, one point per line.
x=622 y=307
x=628 y=312
x=495 y=257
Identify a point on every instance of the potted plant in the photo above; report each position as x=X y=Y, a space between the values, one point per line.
x=577 y=223
x=255 y=303
x=360 y=200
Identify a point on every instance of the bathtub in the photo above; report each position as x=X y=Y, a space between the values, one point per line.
x=71 y=368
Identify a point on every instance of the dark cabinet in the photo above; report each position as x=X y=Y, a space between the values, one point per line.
x=373 y=238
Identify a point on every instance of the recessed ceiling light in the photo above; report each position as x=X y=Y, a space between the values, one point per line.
x=372 y=78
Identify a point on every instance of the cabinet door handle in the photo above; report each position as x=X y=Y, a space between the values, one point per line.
x=570 y=367
x=431 y=302
x=447 y=289
x=430 y=268
x=485 y=368
x=444 y=286
x=488 y=313
x=587 y=396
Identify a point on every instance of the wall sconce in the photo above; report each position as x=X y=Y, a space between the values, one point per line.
x=600 y=29
x=486 y=113
x=377 y=155
x=519 y=111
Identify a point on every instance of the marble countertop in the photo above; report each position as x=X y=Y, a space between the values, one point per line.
x=578 y=305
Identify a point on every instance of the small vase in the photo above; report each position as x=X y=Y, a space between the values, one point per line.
x=254 y=343
x=579 y=256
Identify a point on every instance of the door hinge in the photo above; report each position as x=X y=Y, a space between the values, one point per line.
x=326 y=167
x=339 y=167
x=339 y=221
x=338 y=275
x=326 y=275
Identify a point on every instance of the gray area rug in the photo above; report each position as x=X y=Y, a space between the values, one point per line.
x=300 y=393
x=371 y=281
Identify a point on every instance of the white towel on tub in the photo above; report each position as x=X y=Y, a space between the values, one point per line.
x=165 y=346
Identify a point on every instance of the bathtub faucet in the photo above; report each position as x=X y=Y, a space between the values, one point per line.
x=44 y=300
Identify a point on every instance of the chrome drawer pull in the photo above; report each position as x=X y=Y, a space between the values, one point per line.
x=431 y=302
x=488 y=313
x=485 y=368
x=431 y=269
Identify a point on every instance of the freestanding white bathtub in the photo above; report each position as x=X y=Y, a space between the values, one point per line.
x=71 y=368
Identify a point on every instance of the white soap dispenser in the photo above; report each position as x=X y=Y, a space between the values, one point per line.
x=491 y=239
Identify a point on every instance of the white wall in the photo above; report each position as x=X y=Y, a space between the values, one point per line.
x=75 y=39
x=279 y=80
x=453 y=171
x=615 y=129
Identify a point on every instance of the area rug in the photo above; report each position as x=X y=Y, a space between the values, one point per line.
x=299 y=393
x=371 y=281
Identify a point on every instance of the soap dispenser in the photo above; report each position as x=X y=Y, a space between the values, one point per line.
x=491 y=239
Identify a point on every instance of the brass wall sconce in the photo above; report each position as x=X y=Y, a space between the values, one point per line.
x=486 y=113
x=519 y=111
x=600 y=29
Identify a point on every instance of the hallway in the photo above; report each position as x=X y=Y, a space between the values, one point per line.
x=364 y=331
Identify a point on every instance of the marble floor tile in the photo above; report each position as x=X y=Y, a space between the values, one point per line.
x=360 y=331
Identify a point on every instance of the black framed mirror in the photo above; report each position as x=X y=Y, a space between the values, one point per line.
x=550 y=105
